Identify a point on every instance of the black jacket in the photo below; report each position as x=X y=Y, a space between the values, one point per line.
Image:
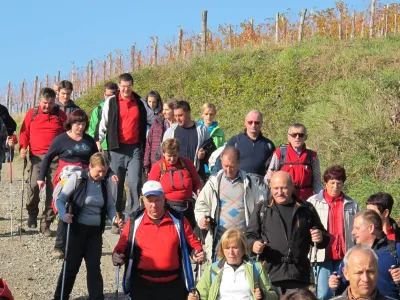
x=113 y=117
x=8 y=120
x=285 y=259
x=78 y=198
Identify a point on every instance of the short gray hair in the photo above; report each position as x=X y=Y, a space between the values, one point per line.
x=360 y=248
x=297 y=125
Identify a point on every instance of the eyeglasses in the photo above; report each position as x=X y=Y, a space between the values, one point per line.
x=300 y=135
x=256 y=123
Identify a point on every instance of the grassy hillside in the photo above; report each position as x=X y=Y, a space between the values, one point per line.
x=347 y=94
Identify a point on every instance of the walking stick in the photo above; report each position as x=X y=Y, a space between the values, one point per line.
x=11 y=199
x=66 y=253
x=118 y=267
x=315 y=266
x=334 y=290
x=22 y=196
x=396 y=282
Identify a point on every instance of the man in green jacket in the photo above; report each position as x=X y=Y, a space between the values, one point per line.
x=110 y=89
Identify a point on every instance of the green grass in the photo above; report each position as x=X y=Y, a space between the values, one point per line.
x=347 y=93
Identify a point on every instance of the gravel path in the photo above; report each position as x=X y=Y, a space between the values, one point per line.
x=27 y=264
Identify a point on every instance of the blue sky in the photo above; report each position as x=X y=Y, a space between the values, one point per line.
x=40 y=37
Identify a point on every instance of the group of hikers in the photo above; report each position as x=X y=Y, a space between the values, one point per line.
x=199 y=217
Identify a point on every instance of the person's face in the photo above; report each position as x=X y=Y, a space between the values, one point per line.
x=384 y=215
x=208 y=116
x=168 y=112
x=362 y=273
x=125 y=88
x=362 y=232
x=253 y=123
x=78 y=128
x=297 y=137
x=108 y=93
x=230 y=166
x=154 y=205
x=233 y=254
x=182 y=117
x=55 y=88
x=98 y=172
x=47 y=104
x=334 y=187
x=64 y=95
x=171 y=158
x=152 y=102
x=281 y=190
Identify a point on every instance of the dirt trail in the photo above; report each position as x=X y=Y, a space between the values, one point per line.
x=27 y=265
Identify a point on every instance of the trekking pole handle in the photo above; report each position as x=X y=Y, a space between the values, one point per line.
x=25 y=162
x=315 y=228
x=334 y=290
x=396 y=282
x=119 y=253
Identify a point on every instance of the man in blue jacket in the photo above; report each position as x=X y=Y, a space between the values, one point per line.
x=368 y=231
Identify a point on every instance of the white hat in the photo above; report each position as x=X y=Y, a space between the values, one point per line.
x=152 y=188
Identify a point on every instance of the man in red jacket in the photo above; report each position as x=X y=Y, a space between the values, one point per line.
x=41 y=125
x=299 y=161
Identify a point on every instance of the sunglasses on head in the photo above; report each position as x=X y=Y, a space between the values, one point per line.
x=300 y=135
x=253 y=122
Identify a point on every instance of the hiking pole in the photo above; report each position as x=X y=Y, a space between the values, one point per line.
x=66 y=253
x=11 y=199
x=334 y=290
x=315 y=265
x=22 y=196
x=396 y=282
x=118 y=267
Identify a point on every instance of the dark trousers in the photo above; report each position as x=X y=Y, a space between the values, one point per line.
x=32 y=204
x=285 y=287
x=127 y=163
x=85 y=242
x=61 y=236
x=187 y=208
x=143 y=289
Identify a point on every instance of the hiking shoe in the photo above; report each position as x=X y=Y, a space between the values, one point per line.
x=114 y=229
x=48 y=233
x=32 y=222
x=58 y=254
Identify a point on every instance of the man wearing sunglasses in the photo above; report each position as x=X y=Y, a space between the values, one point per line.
x=255 y=149
x=301 y=163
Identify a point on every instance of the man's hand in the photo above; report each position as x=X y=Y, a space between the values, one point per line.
x=316 y=235
x=40 y=184
x=68 y=218
x=204 y=222
x=99 y=147
x=395 y=273
x=118 y=259
x=22 y=152
x=258 y=247
x=193 y=296
x=114 y=178
x=199 y=256
x=333 y=282
x=258 y=293
x=201 y=153
x=10 y=141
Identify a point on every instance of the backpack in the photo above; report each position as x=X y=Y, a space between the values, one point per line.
x=65 y=173
x=3 y=135
x=163 y=170
x=55 y=112
x=283 y=162
x=216 y=268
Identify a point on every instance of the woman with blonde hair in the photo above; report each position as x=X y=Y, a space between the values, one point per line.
x=233 y=276
x=84 y=202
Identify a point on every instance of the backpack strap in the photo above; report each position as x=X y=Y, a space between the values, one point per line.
x=282 y=160
x=216 y=268
x=56 y=112
x=163 y=169
x=393 y=250
x=35 y=112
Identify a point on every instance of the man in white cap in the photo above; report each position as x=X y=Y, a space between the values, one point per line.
x=149 y=272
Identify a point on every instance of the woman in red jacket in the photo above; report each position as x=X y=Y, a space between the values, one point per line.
x=178 y=177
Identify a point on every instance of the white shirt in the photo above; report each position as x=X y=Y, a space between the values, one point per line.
x=234 y=284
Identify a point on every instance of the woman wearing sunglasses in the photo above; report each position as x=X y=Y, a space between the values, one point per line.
x=299 y=161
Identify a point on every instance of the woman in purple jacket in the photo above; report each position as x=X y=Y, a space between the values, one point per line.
x=153 y=143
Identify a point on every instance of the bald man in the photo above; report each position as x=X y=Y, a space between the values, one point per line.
x=361 y=270
x=226 y=201
x=281 y=231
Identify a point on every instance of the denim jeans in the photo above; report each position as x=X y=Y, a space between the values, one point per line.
x=325 y=269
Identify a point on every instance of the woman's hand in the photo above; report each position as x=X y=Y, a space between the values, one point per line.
x=114 y=178
x=193 y=296
x=118 y=259
x=68 y=218
x=258 y=294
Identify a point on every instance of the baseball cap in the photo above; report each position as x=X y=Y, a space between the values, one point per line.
x=152 y=188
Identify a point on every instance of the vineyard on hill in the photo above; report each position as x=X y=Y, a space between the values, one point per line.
x=284 y=28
